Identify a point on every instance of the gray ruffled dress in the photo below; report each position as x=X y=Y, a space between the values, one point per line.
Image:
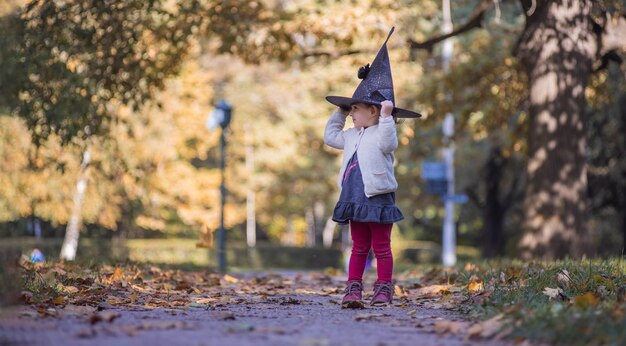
x=354 y=205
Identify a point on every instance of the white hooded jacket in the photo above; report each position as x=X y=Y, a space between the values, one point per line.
x=374 y=146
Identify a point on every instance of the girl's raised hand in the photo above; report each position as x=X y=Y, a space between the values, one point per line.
x=386 y=108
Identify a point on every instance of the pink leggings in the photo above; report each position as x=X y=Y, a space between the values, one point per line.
x=366 y=235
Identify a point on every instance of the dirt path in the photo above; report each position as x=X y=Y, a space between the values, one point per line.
x=297 y=312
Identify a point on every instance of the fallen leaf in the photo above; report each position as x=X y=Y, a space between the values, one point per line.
x=72 y=309
x=553 y=293
x=332 y=271
x=69 y=289
x=432 y=290
x=225 y=316
x=470 y=267
x=59 y=300
x=103 y=317
x=513 y=274
x=586 y=300
x=400 y=292
x=27 y=297
x=486 y=329
x=230 y=279
x=164 y=325
x=563 y=278
x=412 y=312
x=481 y=297
x=118 y=275
x=445 y=326
x=475 y=286
x=364 y=317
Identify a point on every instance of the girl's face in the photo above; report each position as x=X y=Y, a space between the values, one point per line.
x=364 y=115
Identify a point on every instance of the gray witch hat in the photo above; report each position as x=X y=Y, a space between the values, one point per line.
x=376 y=85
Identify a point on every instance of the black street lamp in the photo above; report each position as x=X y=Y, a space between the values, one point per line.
x=221 y=117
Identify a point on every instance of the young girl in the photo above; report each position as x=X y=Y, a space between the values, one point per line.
x=366 y=178
x=367 y=199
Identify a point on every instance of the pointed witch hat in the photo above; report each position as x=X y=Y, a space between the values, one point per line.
x=376 y=85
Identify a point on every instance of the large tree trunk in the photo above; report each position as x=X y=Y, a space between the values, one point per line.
x=557 y=49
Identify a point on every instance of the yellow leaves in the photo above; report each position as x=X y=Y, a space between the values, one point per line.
x=586 y=300
x=59 y=300
x=400 y=291
x=433 y=290
x=230 y=279
x=475 y=284
x=470 y=267
x=118 y=275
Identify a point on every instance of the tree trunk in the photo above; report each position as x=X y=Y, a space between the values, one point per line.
x=494 y=211
x=250 y=193
x=557 y=49
x=310 y=228
x=623 y=205
x=328 y=233
x=289 y=238
x=320 y=221
x=72 y=233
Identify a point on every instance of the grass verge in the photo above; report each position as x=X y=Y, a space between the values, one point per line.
x=564 y=303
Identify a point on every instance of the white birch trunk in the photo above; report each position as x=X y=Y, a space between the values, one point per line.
x=328 y=232
x=72 y=232
x=250 y=193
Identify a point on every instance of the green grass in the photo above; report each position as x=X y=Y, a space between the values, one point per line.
x=589 y=310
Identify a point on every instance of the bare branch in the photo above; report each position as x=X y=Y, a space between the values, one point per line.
x=337 y=54
x=333 y=54
x=475 y=21
x=606 y=58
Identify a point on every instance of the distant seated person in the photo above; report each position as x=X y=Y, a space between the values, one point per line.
x=37 y=256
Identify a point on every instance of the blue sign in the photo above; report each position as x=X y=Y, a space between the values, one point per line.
x=459 y=199
x=433 y=170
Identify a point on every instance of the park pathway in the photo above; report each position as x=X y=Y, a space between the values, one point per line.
x=287 y=308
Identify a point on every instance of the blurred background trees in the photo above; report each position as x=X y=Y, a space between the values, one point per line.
x=133 y=82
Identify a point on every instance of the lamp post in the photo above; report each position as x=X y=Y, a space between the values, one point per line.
x=221 y=117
